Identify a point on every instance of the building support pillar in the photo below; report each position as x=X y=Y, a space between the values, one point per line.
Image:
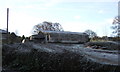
x=46 y=38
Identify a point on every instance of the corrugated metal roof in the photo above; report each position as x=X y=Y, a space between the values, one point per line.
x=64 y=32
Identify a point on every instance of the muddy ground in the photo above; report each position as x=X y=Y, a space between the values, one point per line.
x=36 y=57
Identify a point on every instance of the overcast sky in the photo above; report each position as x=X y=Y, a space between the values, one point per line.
x=73 y=15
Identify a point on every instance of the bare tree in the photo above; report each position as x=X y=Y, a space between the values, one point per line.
x=116 y=26
x=91 y=33
x=49 y=26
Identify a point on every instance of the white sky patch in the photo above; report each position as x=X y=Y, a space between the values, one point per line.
x=47 y=3
x=89 y=0
x=3 y=19
x=22 y=22
x=27 y=6
x=107 y=31
x=24 y=14
x=37 y=7
x=77 y=17
x=50 y=3
x=101 y=28
x=67 y=0
x=110 y=20
x=77 y=26
x=19 y=21
x=101 y=11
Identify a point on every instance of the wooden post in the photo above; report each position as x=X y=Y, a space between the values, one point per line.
x=7 y=24
x=45 y=38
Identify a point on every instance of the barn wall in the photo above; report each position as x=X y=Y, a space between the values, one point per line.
x=63 y=37
x=71 y=38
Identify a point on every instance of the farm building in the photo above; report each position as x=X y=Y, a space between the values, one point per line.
x=3 y=34
x=61 y=36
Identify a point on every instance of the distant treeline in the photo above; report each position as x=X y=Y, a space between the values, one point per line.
x=105 y=38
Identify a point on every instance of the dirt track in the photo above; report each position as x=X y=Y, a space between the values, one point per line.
x=67 y=56
x=97 y=55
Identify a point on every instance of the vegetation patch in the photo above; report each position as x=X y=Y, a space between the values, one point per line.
x=104 y=45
